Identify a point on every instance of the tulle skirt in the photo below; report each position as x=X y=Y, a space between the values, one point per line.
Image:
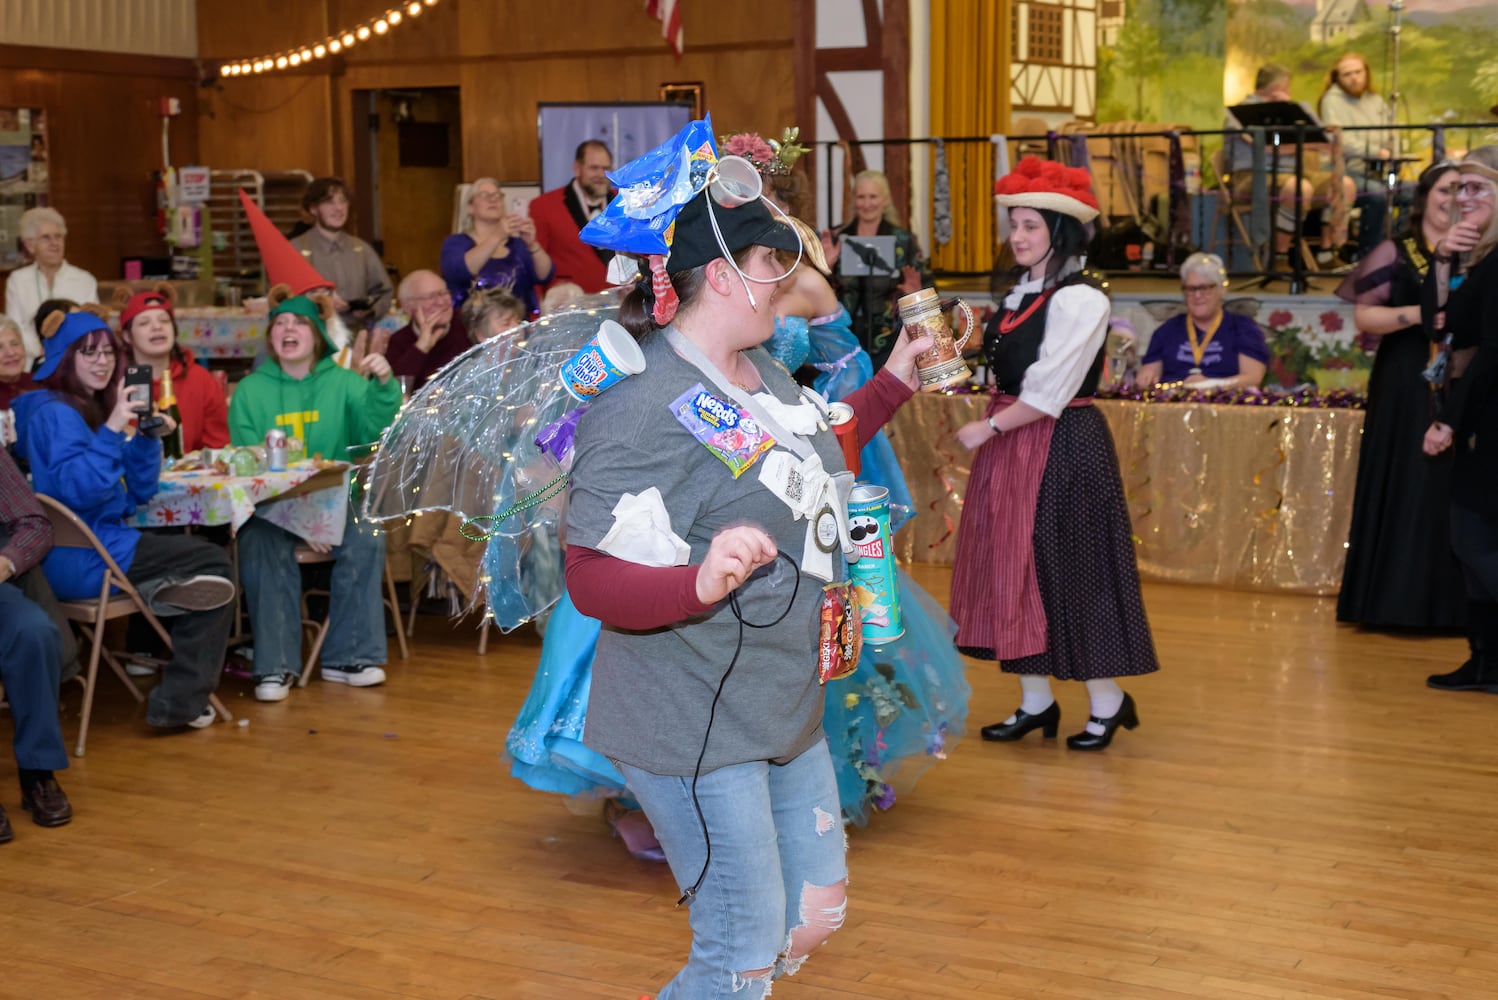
x=901 y=711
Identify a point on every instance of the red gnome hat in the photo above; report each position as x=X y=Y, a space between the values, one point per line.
x=1037 y=183
x=284 y=263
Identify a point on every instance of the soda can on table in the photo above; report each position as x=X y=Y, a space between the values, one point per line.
x=874 y=572
x=275 y=450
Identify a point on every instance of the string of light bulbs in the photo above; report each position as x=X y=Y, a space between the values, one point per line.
x=339 y=41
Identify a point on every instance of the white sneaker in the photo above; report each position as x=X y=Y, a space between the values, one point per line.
x=360 y=676
x=274 y=687
x=145 y=666
x=198 y=593
x=206 y=719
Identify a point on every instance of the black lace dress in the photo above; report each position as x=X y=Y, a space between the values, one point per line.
x=1401 y=571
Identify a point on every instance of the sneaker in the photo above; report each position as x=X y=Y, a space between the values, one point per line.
x=274 y=687
x=199 y=593
x=206 y=719
x=361 y=676
x=142 y=667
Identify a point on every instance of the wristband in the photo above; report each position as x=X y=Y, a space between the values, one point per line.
x=994 y=427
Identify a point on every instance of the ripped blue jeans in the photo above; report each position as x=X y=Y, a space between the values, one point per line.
x=777 y=884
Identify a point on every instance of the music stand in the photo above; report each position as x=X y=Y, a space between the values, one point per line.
x=870 y=256
x=1295 y=120
x=867 y=259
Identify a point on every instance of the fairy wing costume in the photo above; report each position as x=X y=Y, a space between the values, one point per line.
x=470 y=442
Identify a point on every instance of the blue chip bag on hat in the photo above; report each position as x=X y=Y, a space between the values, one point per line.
x=652 y=190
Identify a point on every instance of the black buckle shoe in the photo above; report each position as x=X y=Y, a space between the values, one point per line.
x=1127 y=716
x=1048 y=722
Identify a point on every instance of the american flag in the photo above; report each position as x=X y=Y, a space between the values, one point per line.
x=668 y=12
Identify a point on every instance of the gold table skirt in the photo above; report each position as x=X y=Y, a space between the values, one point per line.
x=1251 y=497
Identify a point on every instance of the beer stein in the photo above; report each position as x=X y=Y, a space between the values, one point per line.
x=942 y=365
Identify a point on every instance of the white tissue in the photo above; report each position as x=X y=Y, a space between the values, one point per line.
x=642 y=532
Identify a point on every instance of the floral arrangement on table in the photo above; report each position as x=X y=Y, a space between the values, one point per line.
x=769 y=156
x=1328 y=354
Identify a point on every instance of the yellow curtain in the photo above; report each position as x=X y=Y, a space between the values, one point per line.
x=969 y=97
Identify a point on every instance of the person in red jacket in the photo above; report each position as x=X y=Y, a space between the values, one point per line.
x=561 y=214
x=148 y=325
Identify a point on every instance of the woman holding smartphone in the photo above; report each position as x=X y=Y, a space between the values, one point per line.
x=79 y=436
x=495 y=249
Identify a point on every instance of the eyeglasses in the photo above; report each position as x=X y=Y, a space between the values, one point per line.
x=1475 y=189
x=423 y=299
x=96 y=352
x=1198 y=289
x=49 y=237
x=487 y=195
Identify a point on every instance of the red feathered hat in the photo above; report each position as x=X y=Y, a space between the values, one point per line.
x=1037 y=183
x=284 y=264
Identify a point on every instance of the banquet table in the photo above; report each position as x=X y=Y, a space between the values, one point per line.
x=215 y=332
x=1251 y=497
x=308 y=500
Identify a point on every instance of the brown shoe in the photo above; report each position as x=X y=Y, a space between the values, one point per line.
x=47 y=804
x=6 y=833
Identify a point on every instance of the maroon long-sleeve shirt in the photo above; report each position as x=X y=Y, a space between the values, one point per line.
x=628 y=595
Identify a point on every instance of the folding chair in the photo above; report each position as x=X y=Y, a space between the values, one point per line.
x=91 y=614
x=308 y=556
x=435 y=573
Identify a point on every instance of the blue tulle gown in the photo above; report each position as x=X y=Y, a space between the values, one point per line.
x=903 y=709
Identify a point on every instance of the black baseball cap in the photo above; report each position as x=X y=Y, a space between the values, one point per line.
x=752 y=224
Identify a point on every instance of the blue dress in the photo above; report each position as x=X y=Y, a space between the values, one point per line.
x=902 y=709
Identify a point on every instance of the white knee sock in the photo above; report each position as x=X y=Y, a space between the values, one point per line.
x=1107 y=698
x=1036 y=697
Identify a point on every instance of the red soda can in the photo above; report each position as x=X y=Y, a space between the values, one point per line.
x=845 y=425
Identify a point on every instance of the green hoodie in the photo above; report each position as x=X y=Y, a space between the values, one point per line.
x=331 y=409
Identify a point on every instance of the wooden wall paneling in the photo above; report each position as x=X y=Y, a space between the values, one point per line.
x=416 y=202
x=431 y=37
x=512 y=60
x=365 y=76
x=276 y=121
x=747 y=89
x=104 y=143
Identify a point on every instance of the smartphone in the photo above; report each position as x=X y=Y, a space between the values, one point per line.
x=141 y=375
x=517 y=206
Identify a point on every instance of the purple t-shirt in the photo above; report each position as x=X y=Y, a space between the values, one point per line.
x=515 y=271
x=1237 y=335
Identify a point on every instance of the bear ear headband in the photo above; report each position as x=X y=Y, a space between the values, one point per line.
x=54 y=319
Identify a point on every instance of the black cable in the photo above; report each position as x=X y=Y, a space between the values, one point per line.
x=738 y=647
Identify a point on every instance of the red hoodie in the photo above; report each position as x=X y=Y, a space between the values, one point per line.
x=205 y=411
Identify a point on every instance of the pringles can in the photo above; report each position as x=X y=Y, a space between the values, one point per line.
x=873 y=575
x=610 y=356
x=275 y=450
x=845 y=425
x=940 y=365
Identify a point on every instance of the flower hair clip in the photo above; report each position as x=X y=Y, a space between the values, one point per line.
x=769 y=156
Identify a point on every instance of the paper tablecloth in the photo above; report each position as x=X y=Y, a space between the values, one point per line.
x=202 y=498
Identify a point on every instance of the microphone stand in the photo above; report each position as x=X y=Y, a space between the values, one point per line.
x=1391 y=168
x=878 y=267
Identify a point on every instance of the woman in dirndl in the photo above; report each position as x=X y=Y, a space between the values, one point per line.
x=1045 y=580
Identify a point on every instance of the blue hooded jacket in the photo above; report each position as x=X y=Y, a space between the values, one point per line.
x=100 y=475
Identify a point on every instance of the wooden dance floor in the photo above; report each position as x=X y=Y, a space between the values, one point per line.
x=1296 y=817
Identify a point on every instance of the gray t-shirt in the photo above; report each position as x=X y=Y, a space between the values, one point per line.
x=652 y=690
